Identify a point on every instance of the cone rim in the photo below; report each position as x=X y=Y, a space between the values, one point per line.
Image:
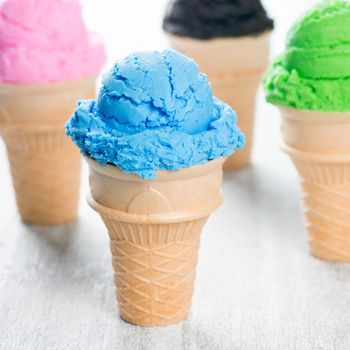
x=26 y=128
x=197 y=170
x=224 y=40
x=18 y=89
x=252 y=75
x=166 y=218
x=305 y=115
x=314 y=157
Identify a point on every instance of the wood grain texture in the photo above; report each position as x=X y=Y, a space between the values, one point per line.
x=256 y=289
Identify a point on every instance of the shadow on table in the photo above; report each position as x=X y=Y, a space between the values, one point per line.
x=56 y=237
x=68 y=261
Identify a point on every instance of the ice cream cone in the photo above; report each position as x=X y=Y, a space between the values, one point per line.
x=234 y=67
x=45 y=165
x=319 y=146
x=154 y=228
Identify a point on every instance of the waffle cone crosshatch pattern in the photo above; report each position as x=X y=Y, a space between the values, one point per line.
x=154 y=232
x=174 y=174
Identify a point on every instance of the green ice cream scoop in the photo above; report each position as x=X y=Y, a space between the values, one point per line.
x=314 y=71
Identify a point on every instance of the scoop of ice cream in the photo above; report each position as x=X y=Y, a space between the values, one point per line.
x=205 y=19
x=151 y=90
x=43 y=41
x=155 y=111
x=314 y=71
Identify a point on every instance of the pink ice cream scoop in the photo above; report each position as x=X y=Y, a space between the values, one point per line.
x=43 y=41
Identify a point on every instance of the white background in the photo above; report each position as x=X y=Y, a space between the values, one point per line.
x=257 y=287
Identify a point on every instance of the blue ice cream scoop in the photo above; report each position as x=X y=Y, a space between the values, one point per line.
x=155 y=111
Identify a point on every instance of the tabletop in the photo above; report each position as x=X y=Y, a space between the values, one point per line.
x=256 y=288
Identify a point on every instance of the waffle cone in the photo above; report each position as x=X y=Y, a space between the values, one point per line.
x=45 y=165
x=234 y=67
x=319 y=146
x=154 y=228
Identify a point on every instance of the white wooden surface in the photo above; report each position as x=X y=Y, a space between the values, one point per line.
x=257 y=288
